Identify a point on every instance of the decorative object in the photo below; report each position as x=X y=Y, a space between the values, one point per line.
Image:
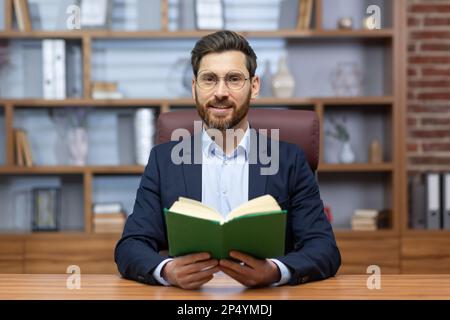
x=347 y=79
x=283 y=82
x=179 y=79
x=266 y=81
x=95 y=14
x=46 y=209
x=144 y=130
x=209 y=14
x=341 y=134
x=375 y=152
x=345 y=23
x=328 y=213
x=78 y=137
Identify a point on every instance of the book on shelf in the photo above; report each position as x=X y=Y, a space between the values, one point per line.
x=113 y=222
x=256 y=227
x=22 y=147
x=370 y=219
x=305 y=10
x=105 y=90
x=107 y=207
x=22 y=12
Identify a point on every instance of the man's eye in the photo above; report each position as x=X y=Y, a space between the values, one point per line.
x=209 y=79
x=234 y=79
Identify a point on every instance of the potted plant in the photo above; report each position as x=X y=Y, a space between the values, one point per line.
x=341 y=134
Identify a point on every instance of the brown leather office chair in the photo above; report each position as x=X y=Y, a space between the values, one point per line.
x=300 y=127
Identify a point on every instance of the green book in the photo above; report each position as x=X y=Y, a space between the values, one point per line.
x=256 y=227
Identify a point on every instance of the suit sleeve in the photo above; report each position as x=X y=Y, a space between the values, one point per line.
x=136 y=253
x=315 y=255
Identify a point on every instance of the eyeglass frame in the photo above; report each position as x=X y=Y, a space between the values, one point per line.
x=217 y=80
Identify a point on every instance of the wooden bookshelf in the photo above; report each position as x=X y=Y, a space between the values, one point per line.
x=37 y=251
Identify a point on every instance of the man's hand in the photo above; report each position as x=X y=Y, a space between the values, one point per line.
x=190 y=271
x=254 y=272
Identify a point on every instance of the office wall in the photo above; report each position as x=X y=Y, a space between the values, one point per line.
x=428 y=104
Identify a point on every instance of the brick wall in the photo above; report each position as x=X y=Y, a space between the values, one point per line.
x=428 y=104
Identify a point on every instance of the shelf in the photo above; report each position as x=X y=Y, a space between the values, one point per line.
x=356 y=167
x=365 y=234
x=332 y=101
x=136 y=169
x=427 y=233
x=111 y=34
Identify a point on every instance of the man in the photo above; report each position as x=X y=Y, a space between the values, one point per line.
x=224 y=83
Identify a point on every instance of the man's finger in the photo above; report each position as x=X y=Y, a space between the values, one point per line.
x=199 y=276
x=199 y=266
x=237 y=267
x=198 y=284
x=235 y=275
x=248 y=260
x=194 y=257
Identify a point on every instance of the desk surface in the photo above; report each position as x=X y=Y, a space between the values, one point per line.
x=53 y=286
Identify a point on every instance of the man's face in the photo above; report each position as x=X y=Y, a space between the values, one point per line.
x=221 y=107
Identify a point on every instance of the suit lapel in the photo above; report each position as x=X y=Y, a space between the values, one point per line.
x=193 y=172
x=257 y=182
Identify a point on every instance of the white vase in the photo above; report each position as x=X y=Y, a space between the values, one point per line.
x=144 y=130
x=283 y=83
x=78 y=145
x=347 y=155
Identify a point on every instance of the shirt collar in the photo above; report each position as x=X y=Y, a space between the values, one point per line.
x=211 y=149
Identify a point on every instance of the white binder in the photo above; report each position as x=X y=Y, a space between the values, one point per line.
x=433 y=219
x=47 y=65
x=446 y=199
x=59 y=68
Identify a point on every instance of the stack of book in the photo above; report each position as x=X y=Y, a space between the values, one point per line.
x=22 y=148
x=105 y=90
x=370 y=219
x=108 y=218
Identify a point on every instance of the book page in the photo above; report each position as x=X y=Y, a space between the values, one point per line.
x=261 y=204
x=196 y=209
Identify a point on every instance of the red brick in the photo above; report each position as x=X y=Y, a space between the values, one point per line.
x=411 y=122
x=412 y=72
x=445 y=21
x=430 y=133
x=412 y=47
x=412 y=147
x=426 y=108
x=434 y=96
x=430 y=160
x=429 y=84
x=413 y=22
x=429 y=59
x=427 y=147
x=436 y=121
x=428 y=34
x=435 y=47
x=436 y=71
x=429 y=8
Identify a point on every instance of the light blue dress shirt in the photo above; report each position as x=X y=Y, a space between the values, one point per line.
x=225 y=186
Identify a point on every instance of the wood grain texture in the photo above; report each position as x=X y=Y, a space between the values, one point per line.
x=426 y=254
x=93 y=254
x=11 y=254
x=113 y=287
x=358 y=254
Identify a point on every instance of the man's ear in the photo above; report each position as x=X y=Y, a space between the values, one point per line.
x=256 y=83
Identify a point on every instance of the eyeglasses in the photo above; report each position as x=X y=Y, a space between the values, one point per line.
x=234 y=80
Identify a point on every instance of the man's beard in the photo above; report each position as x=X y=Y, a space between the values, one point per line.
x=223 y=123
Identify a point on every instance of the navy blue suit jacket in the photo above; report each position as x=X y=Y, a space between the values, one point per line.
x=310 y=250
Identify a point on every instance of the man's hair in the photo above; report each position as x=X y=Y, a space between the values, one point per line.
x=221 y=41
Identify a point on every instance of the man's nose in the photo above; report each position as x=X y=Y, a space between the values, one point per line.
x=221 y=89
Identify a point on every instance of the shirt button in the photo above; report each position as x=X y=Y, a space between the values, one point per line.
x=224 y=191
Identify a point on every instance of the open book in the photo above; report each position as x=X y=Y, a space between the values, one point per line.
x=256 y=227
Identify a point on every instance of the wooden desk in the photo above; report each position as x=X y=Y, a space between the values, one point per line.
x=40 y=286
